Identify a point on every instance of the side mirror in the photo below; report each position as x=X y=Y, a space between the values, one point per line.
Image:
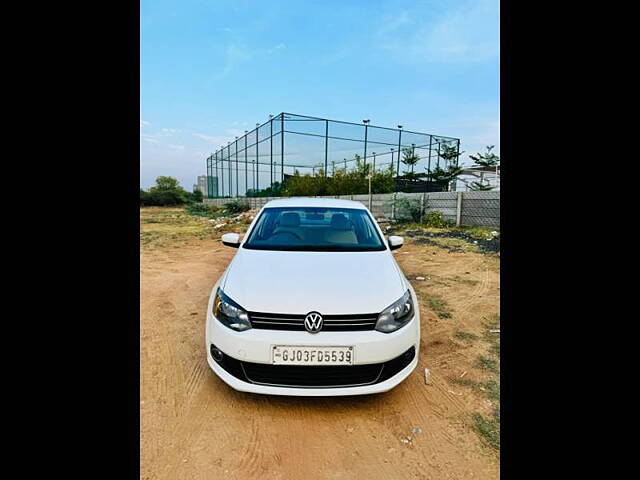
x=395 y=242
x=231 y=240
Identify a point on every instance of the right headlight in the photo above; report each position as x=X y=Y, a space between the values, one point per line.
x=397 y=315
x=229 y=313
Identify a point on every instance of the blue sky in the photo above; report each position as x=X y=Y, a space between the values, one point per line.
x=211 y=69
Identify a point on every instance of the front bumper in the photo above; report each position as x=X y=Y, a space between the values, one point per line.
x=255 y=345
x=244 y=386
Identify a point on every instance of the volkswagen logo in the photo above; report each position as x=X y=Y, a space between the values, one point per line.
x=313 y=322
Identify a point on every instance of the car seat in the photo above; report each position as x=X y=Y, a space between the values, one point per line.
x=288 y=222
x=341 y=230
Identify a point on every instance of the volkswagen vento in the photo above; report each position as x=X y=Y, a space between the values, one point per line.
x=313 y=303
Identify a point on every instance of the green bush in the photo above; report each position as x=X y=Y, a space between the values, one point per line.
x=434 y=219
x=341 y=182
x=199 y=209
x=408 y=209
x=161 y=198
x=236 y=207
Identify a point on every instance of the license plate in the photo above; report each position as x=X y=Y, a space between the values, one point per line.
x=306 y=355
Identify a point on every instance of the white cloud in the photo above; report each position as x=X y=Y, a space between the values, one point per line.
x=215 y=139
x=280 y=46
x=467 y=34
x=144 y=123
x=235 y=55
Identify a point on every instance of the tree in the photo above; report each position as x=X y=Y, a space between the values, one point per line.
x=480 y=187
x=449 y=153
x=197 y=195
x=361 y=169
x=409 y=158
x=166 y=191
x=487 y=159
x=166 y=184
x=441 y=175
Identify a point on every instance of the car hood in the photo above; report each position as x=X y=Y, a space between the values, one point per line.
x=331 y=283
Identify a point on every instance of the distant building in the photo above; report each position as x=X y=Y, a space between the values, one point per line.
x=203 y=185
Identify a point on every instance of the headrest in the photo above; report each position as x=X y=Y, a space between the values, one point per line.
x=290 y=219
x=339 y=222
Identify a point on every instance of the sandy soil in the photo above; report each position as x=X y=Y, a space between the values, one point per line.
x=193 y=426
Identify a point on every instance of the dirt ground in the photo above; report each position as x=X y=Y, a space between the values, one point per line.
x=193 y=426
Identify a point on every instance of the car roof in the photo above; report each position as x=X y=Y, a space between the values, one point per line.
x=314 y=202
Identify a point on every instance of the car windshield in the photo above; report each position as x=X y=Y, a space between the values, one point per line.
x=315 y=229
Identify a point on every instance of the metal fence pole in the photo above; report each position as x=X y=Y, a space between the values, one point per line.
x=429 y=164
x=326 y=146
x=399 y=151
x=237 y=171
x=366 y=131
x=210 y=179
x=413 y=154
x=246 y=166
x=392 y=161
x=206 y=193
x=222 y=170
x=230 y=172
x=282 y=147
x=271 y=151
x=257 y=160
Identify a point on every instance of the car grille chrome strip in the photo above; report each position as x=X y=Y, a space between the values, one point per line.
x=281 y=321
x=275 y=323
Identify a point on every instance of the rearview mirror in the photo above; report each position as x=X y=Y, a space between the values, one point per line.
x=395 y=242
x=231 y=240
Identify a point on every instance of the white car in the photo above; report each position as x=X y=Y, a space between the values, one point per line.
x=313 y=304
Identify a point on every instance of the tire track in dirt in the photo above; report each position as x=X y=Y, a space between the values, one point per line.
x=252 y=455
x=194 y=382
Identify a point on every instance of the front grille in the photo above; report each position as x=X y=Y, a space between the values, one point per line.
x=303 y=376
x=332 y=323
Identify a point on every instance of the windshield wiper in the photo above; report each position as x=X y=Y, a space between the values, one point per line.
x=316 y=248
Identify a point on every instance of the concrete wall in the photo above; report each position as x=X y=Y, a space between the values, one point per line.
x=476 y=208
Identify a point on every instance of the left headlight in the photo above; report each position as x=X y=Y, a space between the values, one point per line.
x=397 y=315
x=229 y=313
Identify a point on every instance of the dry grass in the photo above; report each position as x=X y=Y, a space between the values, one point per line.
x=162 y=226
